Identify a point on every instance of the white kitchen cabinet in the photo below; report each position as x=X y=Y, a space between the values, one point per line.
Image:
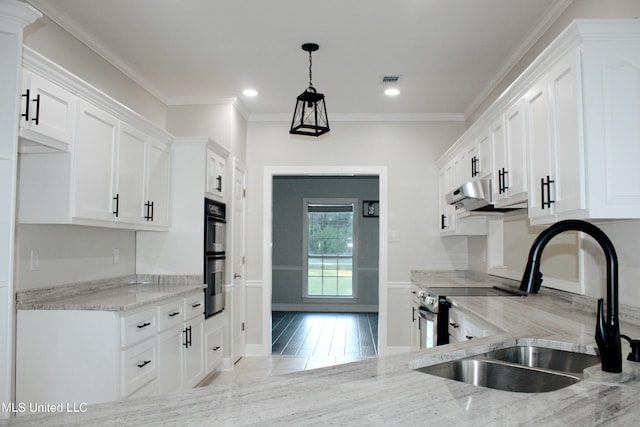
x=95 y=356
x=582 y=158
x=446 y=180
x=477 y=157
x=92 y=171
x=47 y=115
x=216 y=178
x=181 y=344
x=129 y=171
x=509 y=157
x=464 y=326
x=115 y=172
x=158 y=182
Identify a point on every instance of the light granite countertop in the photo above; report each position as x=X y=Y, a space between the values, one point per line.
x=388 y=391
x=121 y=294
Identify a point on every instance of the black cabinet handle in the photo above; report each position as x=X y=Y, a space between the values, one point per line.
x=117 y=200
x=37 y=118
x=149 y=211
x=454 y=325
x=442 y=218
x=26 y=107
x=186 y=338
x=196 y=305
x=413 y=314
x=502 y=181
x=189 y=329
x=143 y=364
x=144 y=325
x=174 y=314
x=219 y=186
x=474 y=166
x=547 y=184
x=216 y=348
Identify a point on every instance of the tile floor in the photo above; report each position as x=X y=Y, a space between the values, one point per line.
x=304 y=341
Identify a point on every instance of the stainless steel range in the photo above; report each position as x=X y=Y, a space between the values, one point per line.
x=433 y=309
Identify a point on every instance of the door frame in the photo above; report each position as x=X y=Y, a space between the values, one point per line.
x=267 y=236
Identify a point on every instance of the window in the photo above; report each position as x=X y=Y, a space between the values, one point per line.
x=330 y=236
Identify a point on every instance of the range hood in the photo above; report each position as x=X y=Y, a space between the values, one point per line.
x=473 y=195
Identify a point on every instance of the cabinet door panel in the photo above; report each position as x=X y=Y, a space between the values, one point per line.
x=499 y=145
x=540 y=148
x=516 y=153
x=158 y=176
x=130 y=175
x=55 y=112
x=194 y=363
x=94 y=157
x=569 y=143
x=170 y=360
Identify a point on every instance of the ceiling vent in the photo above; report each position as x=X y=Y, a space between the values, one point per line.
x=390 y=79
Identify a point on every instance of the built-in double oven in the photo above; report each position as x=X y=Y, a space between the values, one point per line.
x=214 y=256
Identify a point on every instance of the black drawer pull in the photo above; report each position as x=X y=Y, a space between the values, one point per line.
x=216 y=348
x=174 y=314
x=196 y=305
x=143 y=364
x=144 y=325
x=469 y=337
x=454 y=325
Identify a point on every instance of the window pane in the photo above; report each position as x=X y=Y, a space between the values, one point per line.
x=330 y=249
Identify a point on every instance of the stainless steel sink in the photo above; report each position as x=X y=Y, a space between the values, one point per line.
x=545 y=358
x=501 y=376
x=524 y=369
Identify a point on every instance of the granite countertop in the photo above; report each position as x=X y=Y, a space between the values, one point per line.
x=388 y=391
x=120 y=294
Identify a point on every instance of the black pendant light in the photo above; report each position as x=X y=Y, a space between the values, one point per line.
x=310 y=115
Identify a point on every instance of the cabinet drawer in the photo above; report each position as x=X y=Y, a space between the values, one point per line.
x=194 y=305
x=213 y=349
x=139 y=366
x=139 y=326
x=170 y=314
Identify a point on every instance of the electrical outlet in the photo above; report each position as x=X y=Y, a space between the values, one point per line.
x=116 y=256
x=35 y=261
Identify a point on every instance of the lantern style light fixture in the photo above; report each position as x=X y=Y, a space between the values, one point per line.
x=310 y=115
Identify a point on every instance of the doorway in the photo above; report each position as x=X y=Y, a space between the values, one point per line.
x=299 y=200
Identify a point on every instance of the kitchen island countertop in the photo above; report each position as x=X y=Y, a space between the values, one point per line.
x=388 y=391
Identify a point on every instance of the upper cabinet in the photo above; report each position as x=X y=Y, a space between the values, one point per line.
x=216 y=179
x=47 y=115
x=583 y=135
x=114 y=172
x=564 y=135
x=509 y=184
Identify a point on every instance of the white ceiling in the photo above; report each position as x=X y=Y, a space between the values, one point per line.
x=449 y=53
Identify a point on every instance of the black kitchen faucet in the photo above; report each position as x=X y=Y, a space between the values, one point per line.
x=607 y=329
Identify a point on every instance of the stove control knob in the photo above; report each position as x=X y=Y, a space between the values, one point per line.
x=430 y=300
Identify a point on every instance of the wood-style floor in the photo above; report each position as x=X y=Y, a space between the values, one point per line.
x=324 y=334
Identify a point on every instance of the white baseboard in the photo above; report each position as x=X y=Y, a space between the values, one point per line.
x=256 y=350
x=332 y=308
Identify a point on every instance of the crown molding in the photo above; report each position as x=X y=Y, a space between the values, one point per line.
x=72 y=27
x=517 y=54
x=435 y=117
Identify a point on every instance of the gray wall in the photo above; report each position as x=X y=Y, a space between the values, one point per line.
x=288 y=267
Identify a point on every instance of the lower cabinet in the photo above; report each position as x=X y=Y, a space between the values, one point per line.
x=464 y=326
x=85 y=356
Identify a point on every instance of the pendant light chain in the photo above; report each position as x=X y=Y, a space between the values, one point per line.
x=310 y=84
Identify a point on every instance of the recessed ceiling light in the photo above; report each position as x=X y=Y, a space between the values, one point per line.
x=392 y=91
x=250 y=92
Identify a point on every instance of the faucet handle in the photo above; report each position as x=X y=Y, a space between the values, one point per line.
x=634 y=356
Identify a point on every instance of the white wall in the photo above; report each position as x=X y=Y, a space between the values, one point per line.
x=625 y=236
x=54 y=43
x=70 y=254
x=221 y=122
x=408 y=149
x=578 y=9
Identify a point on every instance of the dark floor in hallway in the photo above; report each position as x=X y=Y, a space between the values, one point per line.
x=324 y=334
